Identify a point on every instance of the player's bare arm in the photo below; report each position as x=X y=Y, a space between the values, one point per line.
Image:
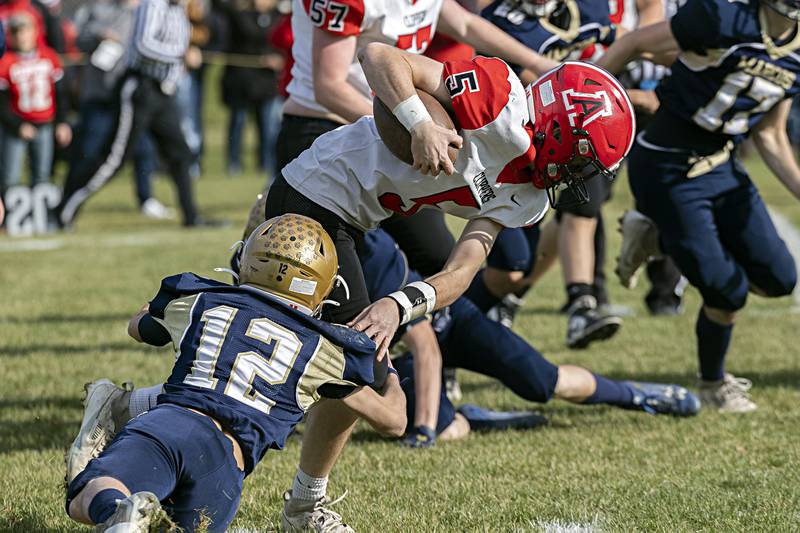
x=650 y=12
x=655 y=41
x=384 y=411
x=420 y=339
x=332 y=56
x=773 y=144
x=463 y=26
x=380 y=320
x=395 y=75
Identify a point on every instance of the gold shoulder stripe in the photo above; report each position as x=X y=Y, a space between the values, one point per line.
x=177 y=316
x=325 y=366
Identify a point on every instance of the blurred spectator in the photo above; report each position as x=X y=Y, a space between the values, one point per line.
x=146 y=103
x=282 y=39
x=30 y=101
x=48 y=28
x=246 y=88
x=190 y=88
x=105 y=30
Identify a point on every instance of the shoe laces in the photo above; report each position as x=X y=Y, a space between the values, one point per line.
x=737 y=387
x=325 y=517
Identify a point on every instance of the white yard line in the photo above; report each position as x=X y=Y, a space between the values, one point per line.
x=791 y=236
x=108 y=241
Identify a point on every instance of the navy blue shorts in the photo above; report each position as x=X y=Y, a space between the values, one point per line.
x=471 y=341
x=181 y=457
x=514 y=250
x=714 y=226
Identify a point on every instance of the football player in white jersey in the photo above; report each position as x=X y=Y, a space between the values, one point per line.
x=518 y=147
x=328 y=88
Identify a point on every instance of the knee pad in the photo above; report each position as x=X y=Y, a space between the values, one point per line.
x=779 y=281
x=727 y=291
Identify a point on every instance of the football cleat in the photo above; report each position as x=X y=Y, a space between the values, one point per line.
x=639 y=244
x=481 y=419
x=505 y=311
x=585 y=325
x=303 y=515
x=728 y=395
x=103 y=400
x=140 y=512
x=659 y=399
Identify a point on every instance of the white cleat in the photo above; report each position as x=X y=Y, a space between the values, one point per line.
x=728 y=395
x=98 y=426
x=140 y=512
x=301 y=515
x=152 y=208
x=639 y=245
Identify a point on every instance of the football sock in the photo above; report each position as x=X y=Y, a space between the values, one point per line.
x=480 y=295
x=611 y=392
x=576 y=290
x=309 y=488
x=712 y=344
x=143 y=399
x=104 y=504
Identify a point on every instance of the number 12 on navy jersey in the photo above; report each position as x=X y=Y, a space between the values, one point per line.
x=248 y=365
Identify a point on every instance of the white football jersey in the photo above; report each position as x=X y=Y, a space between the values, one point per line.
x=352 y=173
x=406 y=24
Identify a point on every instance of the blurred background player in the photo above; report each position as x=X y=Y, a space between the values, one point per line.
x=251 y=359
x=146 y=102
x=32 y=106
x=470 y=340
x=735 y=75
x=560 y=30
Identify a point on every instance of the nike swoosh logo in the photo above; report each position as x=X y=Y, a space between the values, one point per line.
x=514 y=199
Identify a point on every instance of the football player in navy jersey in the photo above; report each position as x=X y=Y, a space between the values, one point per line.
x=559 y=30
x=251 y=360
x=468 y=339
x=736 y=72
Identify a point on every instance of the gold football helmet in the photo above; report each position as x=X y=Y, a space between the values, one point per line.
x=290 y=256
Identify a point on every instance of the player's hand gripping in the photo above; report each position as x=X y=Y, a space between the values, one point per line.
x=429 y=147
x=379 y=321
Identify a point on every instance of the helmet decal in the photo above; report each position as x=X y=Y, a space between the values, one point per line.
x=591 y=105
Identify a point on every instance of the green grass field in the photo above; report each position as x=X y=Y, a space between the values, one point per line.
x=67 y=298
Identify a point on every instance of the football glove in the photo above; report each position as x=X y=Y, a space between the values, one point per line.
x=420 y=437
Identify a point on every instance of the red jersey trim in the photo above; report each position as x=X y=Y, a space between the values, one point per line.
x=478 y=88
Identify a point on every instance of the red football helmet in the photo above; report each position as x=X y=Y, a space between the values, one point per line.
x=583 y=126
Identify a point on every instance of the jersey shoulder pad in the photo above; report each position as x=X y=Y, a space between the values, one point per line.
x=174 y=287
x=701 y=25
x=340 y=17
x=479 y=90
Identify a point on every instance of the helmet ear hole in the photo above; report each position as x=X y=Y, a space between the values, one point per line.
x=556 y=132
x=589 y=81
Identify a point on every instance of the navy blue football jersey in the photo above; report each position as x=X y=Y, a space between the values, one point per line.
x=586 y=24
x=250 y=362
x=729 y=73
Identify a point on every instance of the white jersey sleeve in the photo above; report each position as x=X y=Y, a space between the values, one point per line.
x=350 y=172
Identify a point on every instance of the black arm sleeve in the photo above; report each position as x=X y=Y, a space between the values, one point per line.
x=7 y=117
x=335 y=391
x=152 y=332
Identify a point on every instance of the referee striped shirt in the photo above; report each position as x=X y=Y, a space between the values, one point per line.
x=159 y=42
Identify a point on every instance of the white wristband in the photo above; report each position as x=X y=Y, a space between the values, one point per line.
x=414 y=300
x=411 y=112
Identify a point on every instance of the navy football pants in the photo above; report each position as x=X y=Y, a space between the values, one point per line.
x=181 y=457
x=470 y=340
x=715 y=227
